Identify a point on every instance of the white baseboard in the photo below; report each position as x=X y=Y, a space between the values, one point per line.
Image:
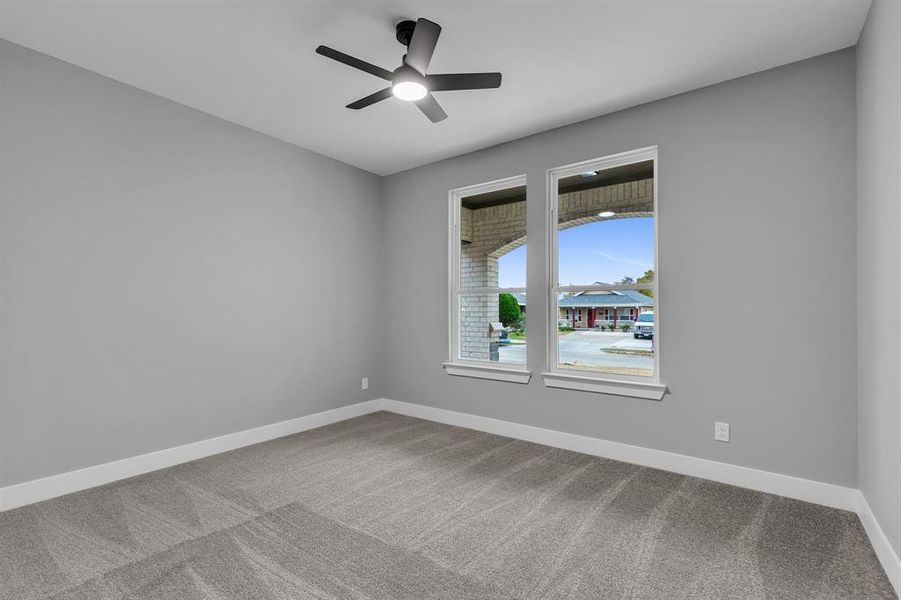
x=827 y=494
x=36 y=490
x=774 y=483
x=784 y=485
x=891 y=563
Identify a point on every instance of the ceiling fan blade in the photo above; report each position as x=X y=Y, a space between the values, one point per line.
x=463 y=81
x=356 y=63
x=430 y=107
x=422 y=45
x=370 y=99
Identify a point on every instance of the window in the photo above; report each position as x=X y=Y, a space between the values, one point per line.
x=602 y=248
x=487 y=249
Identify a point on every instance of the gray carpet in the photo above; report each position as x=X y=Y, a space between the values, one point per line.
x=386 y=506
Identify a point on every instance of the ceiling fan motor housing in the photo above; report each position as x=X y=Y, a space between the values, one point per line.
x=407 y=73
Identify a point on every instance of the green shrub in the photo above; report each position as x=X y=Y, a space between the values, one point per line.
x=521 y=324
x=508 y=310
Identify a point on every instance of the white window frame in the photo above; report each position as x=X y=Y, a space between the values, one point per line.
x=455 y=365
x=596 y=381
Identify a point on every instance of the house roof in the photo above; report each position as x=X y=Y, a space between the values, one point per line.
x=624 y=298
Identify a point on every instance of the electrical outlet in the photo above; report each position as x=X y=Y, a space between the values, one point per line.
x=364 y=383
x=721 y=432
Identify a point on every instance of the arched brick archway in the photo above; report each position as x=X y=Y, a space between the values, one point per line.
x=507 y=247
x=492 y=232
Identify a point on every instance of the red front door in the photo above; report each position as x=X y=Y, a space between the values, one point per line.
x=592 y=316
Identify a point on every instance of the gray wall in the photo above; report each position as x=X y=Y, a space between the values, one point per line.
x=879 y=264
x=757 y=232
x=168 y=276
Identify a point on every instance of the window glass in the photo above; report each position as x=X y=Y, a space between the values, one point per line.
x=491 y=263
x=606 y=272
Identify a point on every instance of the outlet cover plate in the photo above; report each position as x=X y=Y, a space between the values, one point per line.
x=721 y=432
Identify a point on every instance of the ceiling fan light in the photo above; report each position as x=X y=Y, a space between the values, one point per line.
x=409 y=90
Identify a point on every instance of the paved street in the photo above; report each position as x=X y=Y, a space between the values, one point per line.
x=585 y=348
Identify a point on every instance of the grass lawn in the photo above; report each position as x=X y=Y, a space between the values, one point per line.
x=521 y=335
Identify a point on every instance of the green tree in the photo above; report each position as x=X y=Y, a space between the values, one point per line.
x=508 y=310
x=648 y=277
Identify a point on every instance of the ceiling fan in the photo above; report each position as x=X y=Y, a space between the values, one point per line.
x=411 y=80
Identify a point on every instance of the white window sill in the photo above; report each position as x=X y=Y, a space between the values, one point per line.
x=617 y=387
x=511 y=374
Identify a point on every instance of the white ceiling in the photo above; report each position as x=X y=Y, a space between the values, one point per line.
x=253 y=62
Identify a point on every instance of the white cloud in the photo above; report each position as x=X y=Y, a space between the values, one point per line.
x=627 y=261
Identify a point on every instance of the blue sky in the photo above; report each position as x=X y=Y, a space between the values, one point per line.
x=604 y=251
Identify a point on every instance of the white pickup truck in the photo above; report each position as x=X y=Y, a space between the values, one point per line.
x=644 y=326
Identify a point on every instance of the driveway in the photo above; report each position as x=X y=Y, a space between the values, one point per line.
x=587 y=349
